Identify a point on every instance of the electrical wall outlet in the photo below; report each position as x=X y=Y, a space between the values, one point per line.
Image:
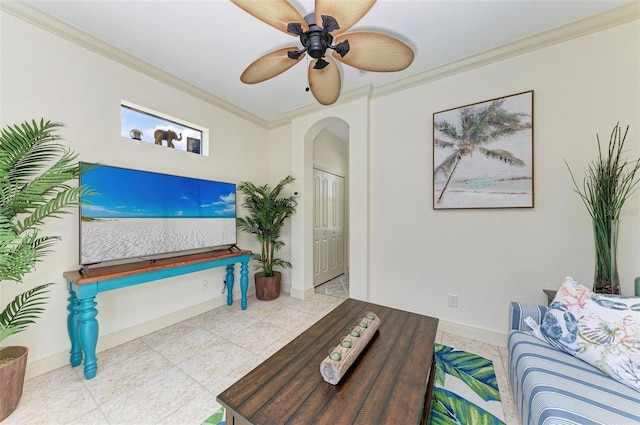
x=205 y=283
x=453 y=300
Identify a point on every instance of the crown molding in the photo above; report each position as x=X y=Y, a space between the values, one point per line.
x=626 y=13
x=68 y=32
x=613 y=17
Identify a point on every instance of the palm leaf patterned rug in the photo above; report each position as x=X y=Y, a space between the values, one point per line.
x=465 y=391
x=216 y=419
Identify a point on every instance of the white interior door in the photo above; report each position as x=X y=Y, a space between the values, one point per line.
x=328 y=226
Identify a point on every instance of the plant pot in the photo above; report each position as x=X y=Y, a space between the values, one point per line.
x=13 y=364
x=267 y=288
x=606 y=279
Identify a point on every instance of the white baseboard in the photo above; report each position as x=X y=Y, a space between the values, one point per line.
x=479 y=334
x=301 y=294
x=54 y=361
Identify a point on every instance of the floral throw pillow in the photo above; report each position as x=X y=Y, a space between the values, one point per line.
x=602 y=330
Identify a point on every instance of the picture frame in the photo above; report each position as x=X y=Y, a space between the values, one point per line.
x=193 y=145
x=483 y=154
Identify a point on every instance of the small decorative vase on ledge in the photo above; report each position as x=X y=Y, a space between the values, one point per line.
x=606 y=280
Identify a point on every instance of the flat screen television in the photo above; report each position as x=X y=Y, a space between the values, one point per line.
x=140 y=214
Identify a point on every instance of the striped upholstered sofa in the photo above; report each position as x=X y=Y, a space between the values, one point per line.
x=553 y=387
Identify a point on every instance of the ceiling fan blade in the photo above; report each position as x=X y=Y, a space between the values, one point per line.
x=269 y=65
x=325 y=83
x=347 y=13
x=373 y=51
x=277 y=13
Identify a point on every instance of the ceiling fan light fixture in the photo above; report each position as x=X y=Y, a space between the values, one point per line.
x=295 y=28
x=367 y=50
x=341 y=48
x=295 y=54
x=316 y=41
x=329 y=23
x=320 y=64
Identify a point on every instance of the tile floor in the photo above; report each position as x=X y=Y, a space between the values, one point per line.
x=337 y=287
x=172 y=376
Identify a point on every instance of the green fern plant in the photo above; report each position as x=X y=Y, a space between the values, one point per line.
x=267 y=211
x=34 y=173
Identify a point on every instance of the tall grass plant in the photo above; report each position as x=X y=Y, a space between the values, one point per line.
x=608 y=183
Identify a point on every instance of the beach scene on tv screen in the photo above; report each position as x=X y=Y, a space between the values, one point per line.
x=140 y=214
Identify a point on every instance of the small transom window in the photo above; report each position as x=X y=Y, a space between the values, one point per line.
x=146 y=125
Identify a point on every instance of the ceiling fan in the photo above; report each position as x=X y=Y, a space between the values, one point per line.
x=319 y=31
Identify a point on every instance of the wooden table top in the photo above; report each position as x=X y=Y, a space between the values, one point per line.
x=386 y=384
x=128 y=269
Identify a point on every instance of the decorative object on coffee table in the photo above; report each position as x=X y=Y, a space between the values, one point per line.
x=267 y=212
x=607 y=184
x=340 y=359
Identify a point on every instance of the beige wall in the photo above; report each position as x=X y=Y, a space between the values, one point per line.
x=331 y=154
x=403 y=253
x=409 y=256
x=46 y=76
x=489 y=257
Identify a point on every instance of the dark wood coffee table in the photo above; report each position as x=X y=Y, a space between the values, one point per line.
x=390 y=382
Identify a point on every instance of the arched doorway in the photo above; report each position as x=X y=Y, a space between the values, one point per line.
x=331 y=209
x=304 y=130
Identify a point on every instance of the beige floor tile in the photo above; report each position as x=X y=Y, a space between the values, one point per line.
x=289 y=318
x=215 y=362
x=174 y=375
x=161 y=337
x=316 y=304
x=182 y=346
x=260 y=336
x=225 y=382
x=195 y=411
x=488 y=351
x=232 y=328
x=121 y=353
x=57 y=397
x=154 y=400
x=95 y=417
x=114 y=378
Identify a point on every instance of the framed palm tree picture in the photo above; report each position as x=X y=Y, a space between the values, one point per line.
x=483 y=154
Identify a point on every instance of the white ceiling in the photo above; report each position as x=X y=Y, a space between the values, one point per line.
x=208 y=43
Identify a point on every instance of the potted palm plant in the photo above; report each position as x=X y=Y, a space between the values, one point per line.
x=607 y=184
x=34 y=171
x=267 y=211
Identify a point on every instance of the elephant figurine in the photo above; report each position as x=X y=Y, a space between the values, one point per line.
x=168 y=135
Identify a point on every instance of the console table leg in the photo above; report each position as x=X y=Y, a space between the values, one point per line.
x=229 y=284
x=88 y=333
x=75 y=355
x=244 y=282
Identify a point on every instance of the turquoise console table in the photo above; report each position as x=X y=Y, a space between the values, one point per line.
x=83 y=288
